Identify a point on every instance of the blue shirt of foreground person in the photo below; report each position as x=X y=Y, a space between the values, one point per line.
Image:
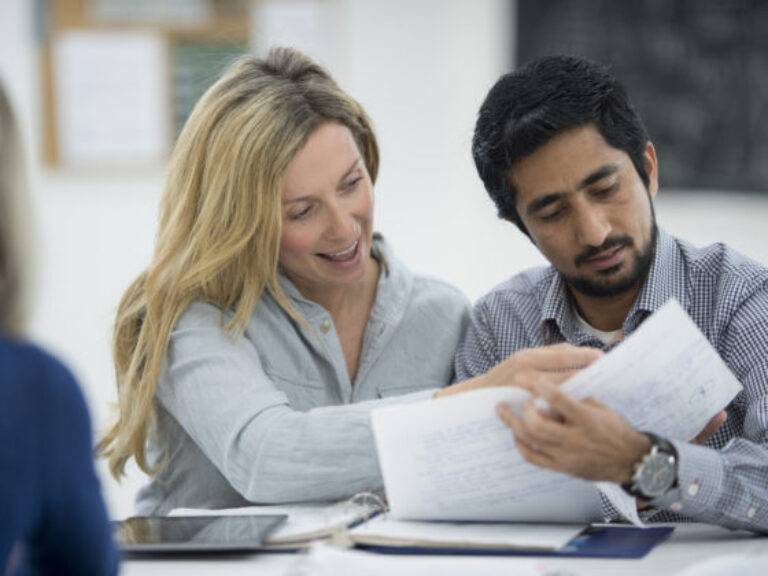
x=565 y=157
x=53 y=520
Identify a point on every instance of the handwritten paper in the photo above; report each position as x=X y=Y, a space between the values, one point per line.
x=453 y=459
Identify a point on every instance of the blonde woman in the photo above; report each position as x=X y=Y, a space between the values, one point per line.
x=272 y=319
x=52 y=517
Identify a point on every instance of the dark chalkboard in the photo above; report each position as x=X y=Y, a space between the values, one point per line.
x=696 y=71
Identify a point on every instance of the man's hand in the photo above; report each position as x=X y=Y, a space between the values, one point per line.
x=582 y=438
x=526 y=368
x=711 y=427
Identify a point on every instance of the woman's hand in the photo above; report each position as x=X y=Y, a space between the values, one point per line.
x=529 y=367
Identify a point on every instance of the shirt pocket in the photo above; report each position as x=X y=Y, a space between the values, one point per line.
x=399 y=387
x=304 y=393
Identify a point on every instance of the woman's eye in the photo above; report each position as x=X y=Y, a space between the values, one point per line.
x=352 y=184
x=302 y=214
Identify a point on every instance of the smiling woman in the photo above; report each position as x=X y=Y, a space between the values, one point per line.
x=272 y=319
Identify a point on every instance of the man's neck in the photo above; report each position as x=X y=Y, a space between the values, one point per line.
x=606 y=313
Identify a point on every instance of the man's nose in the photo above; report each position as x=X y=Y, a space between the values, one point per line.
x=592 y=226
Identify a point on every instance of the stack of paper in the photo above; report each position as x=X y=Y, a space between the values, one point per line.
x=453 y=459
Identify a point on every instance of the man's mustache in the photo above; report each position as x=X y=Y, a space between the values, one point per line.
x=614 y=242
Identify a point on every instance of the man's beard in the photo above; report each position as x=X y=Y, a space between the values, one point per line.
x=607 y=288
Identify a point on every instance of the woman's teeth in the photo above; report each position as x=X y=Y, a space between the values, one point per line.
x=344 y=254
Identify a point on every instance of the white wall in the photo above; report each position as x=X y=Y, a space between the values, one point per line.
x=421 y=68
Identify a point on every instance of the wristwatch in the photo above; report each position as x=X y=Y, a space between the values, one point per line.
x=656 y=472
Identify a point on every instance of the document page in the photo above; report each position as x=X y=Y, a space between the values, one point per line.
x=453 y=458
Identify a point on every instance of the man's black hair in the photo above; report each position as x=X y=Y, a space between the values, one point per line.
x=547 y=96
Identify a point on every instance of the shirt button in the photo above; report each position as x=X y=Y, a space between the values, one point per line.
x=693 y=489
x=676 y=506
x=325 y=326
x=751 y=512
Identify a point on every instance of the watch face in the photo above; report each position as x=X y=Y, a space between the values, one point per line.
x=657 y=475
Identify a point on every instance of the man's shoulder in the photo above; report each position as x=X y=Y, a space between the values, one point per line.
x=722 y=265
x=430 y=288
x=525 y=289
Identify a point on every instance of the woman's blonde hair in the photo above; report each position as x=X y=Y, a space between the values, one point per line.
x=219 y=232
x=14 y=223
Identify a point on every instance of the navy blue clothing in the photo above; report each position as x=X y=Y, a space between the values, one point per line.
x=52 y=517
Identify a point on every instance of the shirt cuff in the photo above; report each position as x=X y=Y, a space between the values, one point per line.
x=699 y=480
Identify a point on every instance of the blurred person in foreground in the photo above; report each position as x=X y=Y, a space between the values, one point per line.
x=272 y=319
x=52 y=517
x=566 y=158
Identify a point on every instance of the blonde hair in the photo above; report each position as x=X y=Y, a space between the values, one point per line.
x=219 y=231
x=14 y=223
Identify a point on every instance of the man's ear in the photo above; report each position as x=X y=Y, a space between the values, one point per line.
x=651 y=168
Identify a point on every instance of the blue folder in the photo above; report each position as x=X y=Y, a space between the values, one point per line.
x=599 y=541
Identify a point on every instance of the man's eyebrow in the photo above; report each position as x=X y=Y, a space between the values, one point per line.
x=343 y=177
x=599 y=174
x=544 y=201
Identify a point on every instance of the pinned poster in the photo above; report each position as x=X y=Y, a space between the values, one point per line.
x=111 y=97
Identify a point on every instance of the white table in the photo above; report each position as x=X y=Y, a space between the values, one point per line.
x=688 y=545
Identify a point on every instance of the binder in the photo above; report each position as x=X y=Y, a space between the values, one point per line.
x=595 y=541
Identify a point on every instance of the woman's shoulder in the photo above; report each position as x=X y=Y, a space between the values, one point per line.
x=424 y=288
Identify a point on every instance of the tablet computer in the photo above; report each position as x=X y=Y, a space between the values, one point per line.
x=195 y=533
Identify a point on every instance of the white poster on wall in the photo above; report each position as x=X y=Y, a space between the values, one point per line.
x=111 y=98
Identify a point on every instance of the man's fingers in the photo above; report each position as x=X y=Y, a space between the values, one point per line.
x=558 y=401
x=712 y=426
x=562 y=357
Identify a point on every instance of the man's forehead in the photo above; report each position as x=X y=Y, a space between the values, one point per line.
x=565 y=163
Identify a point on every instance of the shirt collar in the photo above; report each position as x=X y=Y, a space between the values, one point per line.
x=665 y=280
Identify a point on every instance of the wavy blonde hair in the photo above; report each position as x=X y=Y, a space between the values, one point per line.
x=220 y=223
x=14 y=223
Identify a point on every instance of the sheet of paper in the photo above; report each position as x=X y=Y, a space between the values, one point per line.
x=328 y=561
x=665 y=378
x=453 y=459
x=544 y=536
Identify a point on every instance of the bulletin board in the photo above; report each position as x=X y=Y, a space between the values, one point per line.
x=120 y=78
x=696 y=71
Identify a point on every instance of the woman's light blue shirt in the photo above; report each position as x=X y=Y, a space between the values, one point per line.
x=272 y=416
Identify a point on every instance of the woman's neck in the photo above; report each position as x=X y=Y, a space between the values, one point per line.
x=344 y=299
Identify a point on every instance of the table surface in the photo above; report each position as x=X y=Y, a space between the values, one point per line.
x=688 y=545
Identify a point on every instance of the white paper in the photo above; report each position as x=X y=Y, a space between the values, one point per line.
x=328 y=561
x=112 y=102
x=453 y=459
x=544 y=536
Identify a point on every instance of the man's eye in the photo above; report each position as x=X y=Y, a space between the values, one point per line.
x=607 y=191
x=550 y=216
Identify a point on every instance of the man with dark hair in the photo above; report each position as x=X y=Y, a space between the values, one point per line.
x=565 y=157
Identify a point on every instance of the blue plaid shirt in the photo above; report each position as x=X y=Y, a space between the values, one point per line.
x=726 y=295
